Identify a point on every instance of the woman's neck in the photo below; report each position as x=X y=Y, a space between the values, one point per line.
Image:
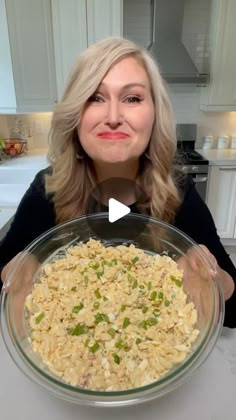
x=117 y=181
x=105 y=171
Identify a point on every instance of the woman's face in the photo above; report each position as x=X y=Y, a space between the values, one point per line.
x=117 y=122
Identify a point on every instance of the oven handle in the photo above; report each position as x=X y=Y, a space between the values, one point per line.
x=200 y=179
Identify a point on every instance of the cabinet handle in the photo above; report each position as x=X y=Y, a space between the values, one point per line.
x=227 y=168
x=200 y=179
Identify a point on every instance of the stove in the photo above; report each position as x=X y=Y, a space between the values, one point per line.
x=193 y=163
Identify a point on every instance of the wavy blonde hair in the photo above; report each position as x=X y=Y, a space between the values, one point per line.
x=73 y=177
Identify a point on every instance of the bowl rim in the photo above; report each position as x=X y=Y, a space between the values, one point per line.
x=171 y=380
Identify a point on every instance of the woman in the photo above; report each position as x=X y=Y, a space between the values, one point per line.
x=115 y=120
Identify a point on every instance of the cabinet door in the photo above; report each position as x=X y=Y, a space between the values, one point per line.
x=221 y=94
x=221 y=199
x=7 y=88
x=104 y=19
x=31 y=43
x=70 y=36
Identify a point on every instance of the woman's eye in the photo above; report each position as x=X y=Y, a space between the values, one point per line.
x=133 y=99
x=95 y=98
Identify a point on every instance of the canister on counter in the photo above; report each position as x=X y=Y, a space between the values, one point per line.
x=233 y=142
x=222 y=142
x=207 y=142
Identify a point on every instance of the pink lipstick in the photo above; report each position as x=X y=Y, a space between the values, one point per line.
x=113 y=135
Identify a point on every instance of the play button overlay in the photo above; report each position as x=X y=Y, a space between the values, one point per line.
x=115 y=201
x=116 y=210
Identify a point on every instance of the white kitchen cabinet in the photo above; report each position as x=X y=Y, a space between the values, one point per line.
x=40 y=42
x=104 y=19
x=69 y=20
x=7 y=88
x=220 y=95
x=78 y=24
x=221 y=199
x=32 y=54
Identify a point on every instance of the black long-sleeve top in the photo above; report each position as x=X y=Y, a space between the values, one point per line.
x=36 y=214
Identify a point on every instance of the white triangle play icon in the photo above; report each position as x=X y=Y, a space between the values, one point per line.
x=116 y=210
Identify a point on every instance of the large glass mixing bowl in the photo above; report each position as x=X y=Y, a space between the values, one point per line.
x=151 y=235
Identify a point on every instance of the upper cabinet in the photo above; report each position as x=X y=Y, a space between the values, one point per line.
x=78 y=24
x=41 y=42
x=220 y=95
x=7 y=88
x=69 y=22
x=32 y=54
x=104 y=18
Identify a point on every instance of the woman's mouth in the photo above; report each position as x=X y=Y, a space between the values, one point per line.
x=112 y=135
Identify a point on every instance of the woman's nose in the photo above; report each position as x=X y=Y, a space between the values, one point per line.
x=114 y=115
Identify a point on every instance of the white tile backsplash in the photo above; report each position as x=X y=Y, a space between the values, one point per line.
x=3 y=126
x=185 y=100
x=38 y=126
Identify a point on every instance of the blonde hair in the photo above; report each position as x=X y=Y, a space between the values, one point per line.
x=73 y=178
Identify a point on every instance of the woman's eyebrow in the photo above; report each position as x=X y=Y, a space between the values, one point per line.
x=127 y=86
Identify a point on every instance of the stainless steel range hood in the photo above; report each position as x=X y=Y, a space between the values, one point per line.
x=176 y=65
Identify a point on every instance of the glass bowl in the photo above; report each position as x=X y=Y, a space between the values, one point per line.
x=200 y=282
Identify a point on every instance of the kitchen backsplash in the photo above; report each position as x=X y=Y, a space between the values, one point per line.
x=36 y=127
x=185 y=100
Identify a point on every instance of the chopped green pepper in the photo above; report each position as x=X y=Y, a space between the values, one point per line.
x=99 y=317
x=143 y=324
x=126 y=322
x=149 y=286
x=160 y=295
x=151 y=321
x=176 y=281
x=98 y=294
x=145 y=309
x=95 y=266
x=153 y=295
x=111 y=332
x=77 y=308
x=39 y=318
x=119 y=344
x=116 y=358
x=79 y=329
x=96 y=305
x=95 y=347
x=135 y=284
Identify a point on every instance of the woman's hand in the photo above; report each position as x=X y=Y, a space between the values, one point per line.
x=24 y=274
x=195 y=268
x=225 y=279
x=18 y=283
x=6 y=270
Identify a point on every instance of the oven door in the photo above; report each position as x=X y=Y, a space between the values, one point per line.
x=200 y=181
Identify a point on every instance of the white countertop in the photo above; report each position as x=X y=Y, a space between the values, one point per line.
x=35 y=158
x=16 y=174
x=219 y=157
x=208 y=395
